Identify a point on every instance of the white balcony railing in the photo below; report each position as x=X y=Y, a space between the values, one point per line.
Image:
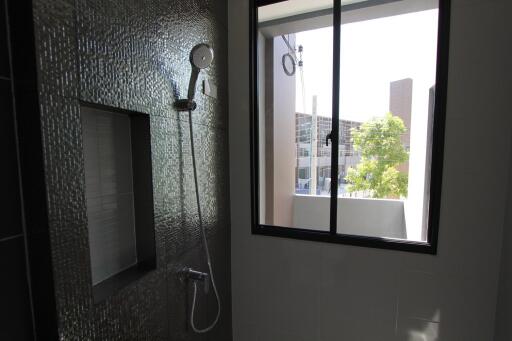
x=356 y=216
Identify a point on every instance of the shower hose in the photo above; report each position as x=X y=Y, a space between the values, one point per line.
x=205 y=244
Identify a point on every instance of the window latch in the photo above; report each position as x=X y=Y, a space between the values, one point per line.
x=327 y=138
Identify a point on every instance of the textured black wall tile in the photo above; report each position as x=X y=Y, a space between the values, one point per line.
x=218 y=10
x=134 y=55
x=15 y=316
x=178 y=207
x=142 y=61
x=35 y=208
x=25 y=112
x=10 y=210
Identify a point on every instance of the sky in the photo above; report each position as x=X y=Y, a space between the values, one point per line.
x=373 y=54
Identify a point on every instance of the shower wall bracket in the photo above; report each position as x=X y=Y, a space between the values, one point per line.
x=185 y=105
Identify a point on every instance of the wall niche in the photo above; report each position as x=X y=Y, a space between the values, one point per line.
x=119 y=196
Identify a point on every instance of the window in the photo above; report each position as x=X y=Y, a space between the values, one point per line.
x=348 y=120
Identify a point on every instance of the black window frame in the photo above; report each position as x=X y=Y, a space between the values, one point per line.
x=438 y=135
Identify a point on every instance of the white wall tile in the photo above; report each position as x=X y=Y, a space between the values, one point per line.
x=417 y=330
x=354 y=292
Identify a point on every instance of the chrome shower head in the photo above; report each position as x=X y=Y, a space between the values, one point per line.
x=201 y=56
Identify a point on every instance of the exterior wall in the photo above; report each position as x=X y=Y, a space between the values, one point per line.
x=284 y=138
x=134 y=55
x=268 y=131
x=400 y=104
x=262 y=83
x=347 y=156
x=287 y=289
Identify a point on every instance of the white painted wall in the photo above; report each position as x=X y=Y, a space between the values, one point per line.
x=297 y=290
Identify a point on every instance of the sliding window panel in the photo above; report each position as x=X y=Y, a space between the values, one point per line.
x=294 y=100
x=388 y=58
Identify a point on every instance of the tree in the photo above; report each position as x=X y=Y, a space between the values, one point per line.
x=378 y=141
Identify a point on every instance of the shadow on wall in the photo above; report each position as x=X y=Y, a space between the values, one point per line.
x=420 y=300
x=420 y=330
x=167 y=75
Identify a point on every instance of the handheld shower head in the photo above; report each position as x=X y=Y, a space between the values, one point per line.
x=201 y=56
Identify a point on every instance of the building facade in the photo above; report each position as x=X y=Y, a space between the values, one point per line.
x=347 y=158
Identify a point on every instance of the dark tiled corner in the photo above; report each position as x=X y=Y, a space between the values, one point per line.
x=9 y=185
x=15 y=315
x=4 y=51
x=22 y=40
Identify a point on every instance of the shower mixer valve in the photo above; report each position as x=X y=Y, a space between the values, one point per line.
x=198 y=276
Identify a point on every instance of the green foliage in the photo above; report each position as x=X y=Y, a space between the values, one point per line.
x=382 y=151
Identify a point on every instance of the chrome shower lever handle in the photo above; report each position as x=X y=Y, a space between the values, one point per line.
x=192 y=274
x=195 y=275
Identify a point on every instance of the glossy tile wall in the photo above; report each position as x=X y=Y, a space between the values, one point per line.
x=133 y=55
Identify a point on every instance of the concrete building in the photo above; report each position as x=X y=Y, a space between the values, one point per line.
x=400 y=104
x=347 y=156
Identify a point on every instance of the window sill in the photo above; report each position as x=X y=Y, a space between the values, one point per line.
x=327 y=237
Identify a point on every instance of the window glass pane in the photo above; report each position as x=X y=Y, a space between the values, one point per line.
x=295 y=94
x=388 y=71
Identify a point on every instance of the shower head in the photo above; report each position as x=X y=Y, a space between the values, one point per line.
x=201 y=56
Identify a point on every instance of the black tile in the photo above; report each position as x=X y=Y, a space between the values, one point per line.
x=15 y=316
x=36 y=219
x=4 y=51
x=9 y=193
x=43 y=297
x=22 y=39
x=31 y=157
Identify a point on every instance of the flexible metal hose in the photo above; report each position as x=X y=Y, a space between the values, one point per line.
x=205 y=243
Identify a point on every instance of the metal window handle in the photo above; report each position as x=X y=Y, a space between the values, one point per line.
x=327 y=138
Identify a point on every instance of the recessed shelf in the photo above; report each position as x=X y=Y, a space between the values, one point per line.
x=119 y=196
